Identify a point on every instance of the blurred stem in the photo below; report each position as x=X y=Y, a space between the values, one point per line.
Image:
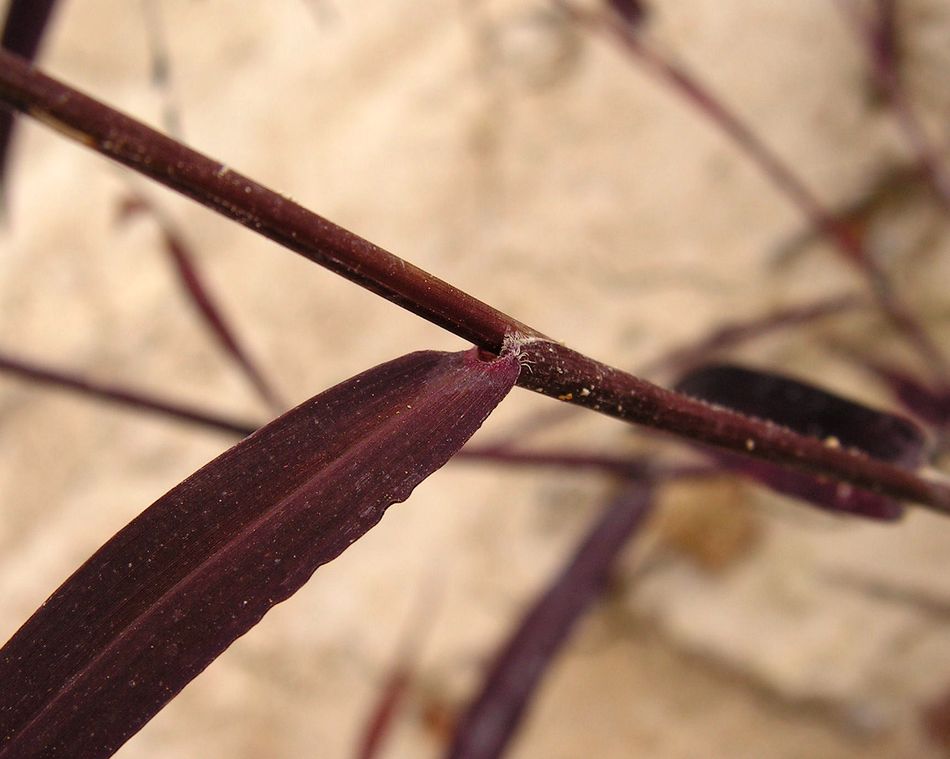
x=489 y=723
x=23 y=29
x=689 y=86
x=161 y=66
x=879 y=38
x=548 y=367
x=123 y=396
x=198 y=293
x=139 y=400
x=401 y=671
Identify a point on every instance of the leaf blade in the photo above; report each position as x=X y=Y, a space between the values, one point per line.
x=811 y=411
x=808 y=410
x=201 y=566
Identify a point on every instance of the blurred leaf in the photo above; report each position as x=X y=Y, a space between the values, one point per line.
x=201 y=566
x=808 y=410
x=833 y=496
x=817 y=413
x=492 y=718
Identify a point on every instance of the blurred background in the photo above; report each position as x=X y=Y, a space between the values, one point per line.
x=535 y=164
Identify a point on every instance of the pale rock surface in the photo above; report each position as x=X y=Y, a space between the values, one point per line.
x=536 y=168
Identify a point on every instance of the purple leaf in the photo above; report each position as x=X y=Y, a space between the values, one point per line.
x=808 y=410
x=492 y=718
x=201 y=566
x=817 y=413
x=23 y=30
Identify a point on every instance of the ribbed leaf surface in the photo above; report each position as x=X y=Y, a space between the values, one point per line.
x=201 y=566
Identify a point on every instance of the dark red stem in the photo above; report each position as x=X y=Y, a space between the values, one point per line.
x=490 y=722
x=123 y=396
x=198 y=292
x=23 y=29
x=690 y=87
x=237 y=197
x=548 y=367
x=559 y=371
x=879 y=38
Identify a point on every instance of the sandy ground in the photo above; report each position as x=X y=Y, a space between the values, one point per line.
x=533 y=166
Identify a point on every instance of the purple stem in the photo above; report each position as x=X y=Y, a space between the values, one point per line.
x=728 y=336
x=492 y=719
x=548 y=367
x=395 y=687
x=30 y=370
x=23 y=29
x=25 y=24
x=688 y=84
x=563 y=373
x=200 y=296
x=879 y=38
x=731 y=335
